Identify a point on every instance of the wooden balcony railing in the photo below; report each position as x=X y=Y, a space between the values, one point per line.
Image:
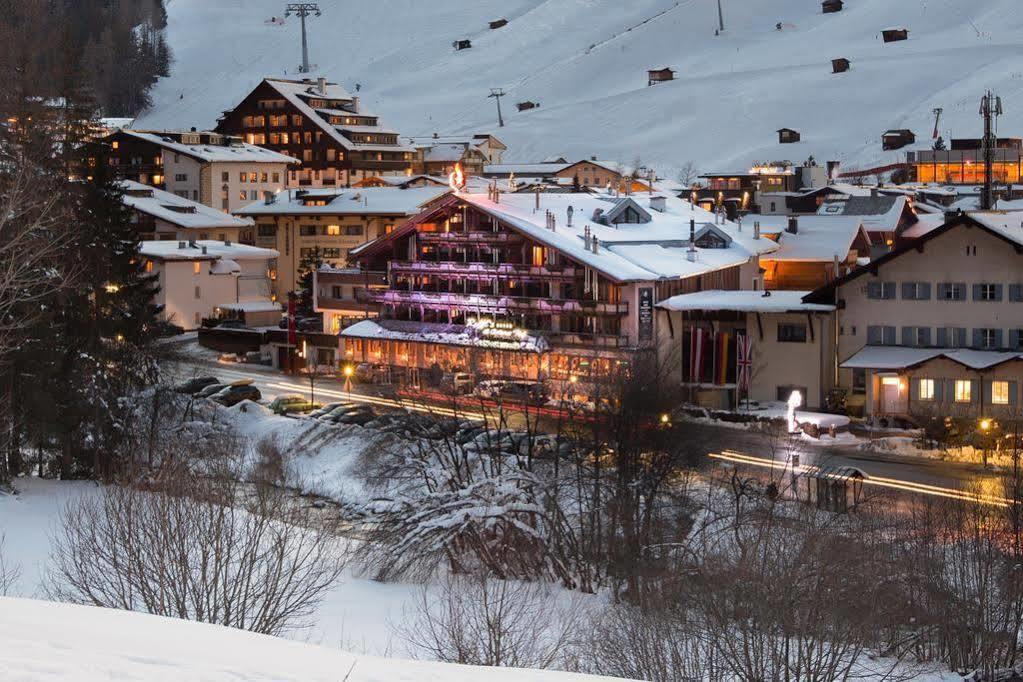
x=484 y=270
x=488 y=304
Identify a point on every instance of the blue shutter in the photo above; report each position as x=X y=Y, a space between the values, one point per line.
x=1015 y=292
x=888 y=290
x=943 y=341
x=1014 y=339
x=942 y=290
x=962 y=291
x=874 y=337
x=950 y=390
x=1012 y=393
x=975 y=390
x=998 y=292
x=909 y=291
x=924 y=291
x=915 y=389
x=889 y=336
x=909 y=336
x=998 y=339
x=977 y=292
x=960 y=340
x=939 y=390
x=873 y=290
x=987 y=392
x=925 y=337
x=978 y=338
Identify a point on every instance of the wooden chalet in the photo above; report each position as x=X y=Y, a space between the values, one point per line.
x=655 y=76
x=892 y=35
x=323 y=126
x=832 y=6
x=499 y=23
x=526 y=106
x=462 y=44
x=788 y=136
x=840 y=65
x=897 y=139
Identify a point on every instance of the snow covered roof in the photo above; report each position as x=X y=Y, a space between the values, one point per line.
x=820 y=238
x=205 y=249
x=530 y=169
x=238 y=152
x=348 y=201
x=880 y=213
x=177 y=210
x=48 y=642
x=925 y=223
x=445 y=152
x=900 y=357
x=744 y=302
x=299 y=92
x=636 y=252
x=447 y=334
x=260 y=306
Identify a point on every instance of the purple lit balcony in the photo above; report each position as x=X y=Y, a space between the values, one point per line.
x=469 y=238
x=484 y=271
x=488 y=305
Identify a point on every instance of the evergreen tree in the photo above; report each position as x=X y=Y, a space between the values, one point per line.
x=308 y=265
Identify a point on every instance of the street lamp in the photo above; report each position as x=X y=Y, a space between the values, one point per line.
x=665 y=419
x=348 y=379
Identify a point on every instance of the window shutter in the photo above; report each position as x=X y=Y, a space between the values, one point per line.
x=924 y=292
x=888 y=290
x=1016 y=292
x=1012 y=393
x=960 y=340
x=943 y=337
x=978 y=338
x=908 y=291
x=974 y=391
x=874 y=337
x=909 y=336
x=889 y=336
x=873 y=290
x=939 y=390
x=977 y=292
x=998 y=339
x=924 y=336
x=962 y=290
x=950 y=390
x=942 y=290
x=987 y=392
x=1014 y=338
x=998 y=292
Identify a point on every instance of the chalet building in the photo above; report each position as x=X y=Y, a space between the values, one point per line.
x=883 y=215
x=134 y=157
x=804 y=201
x=897 y=139
x=488 y=145
x=527 y=105
x=543 y=287
x=840 y=65
x=813 y=251
x=935 y=327
x=602 y=174
x=547 y=170
x=893 y=35
x=790 y=344
x=321 y=125
x=403 y=181
x=498 y=23
x=655 y=76
x=329 y=222
x=160 y=215
x=832 y=6
x=438 y=155
x=216 y=170
x=743 y=191
x=963 y=162
x=203 y=279
x=787 y=136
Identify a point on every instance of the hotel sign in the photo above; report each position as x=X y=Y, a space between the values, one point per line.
x=646 y=314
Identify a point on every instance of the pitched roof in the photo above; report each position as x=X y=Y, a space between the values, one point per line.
x=901 y=357
x=204 y=249
x=745 y=302
x=240 y=152
x=880 y=212
x=348 y=201
x=177 y=210
x=819 y=238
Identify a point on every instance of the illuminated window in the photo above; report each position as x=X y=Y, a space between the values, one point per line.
x=927 y=389
x=538 y=256
x=963 y=391
x=149 y=266
x=999 y=392
x=115 y=144
x=196 y=268
x=333 y=230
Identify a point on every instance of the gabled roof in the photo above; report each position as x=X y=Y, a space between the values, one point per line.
x=348 y=201
x=619 y=207
x=204 y=249
x=239 y=152
x=710 y=228
x=820 y=239
x=880 y=213
x=1006 y=226
x=176 y=210
x=901 y=357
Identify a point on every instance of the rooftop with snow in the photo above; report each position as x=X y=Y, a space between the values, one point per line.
x=347 y=201
x=176 y=210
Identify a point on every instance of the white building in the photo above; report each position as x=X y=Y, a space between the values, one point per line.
x=162 y=215
x=207 y=278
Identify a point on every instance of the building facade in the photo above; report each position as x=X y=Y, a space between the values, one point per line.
x=321 y=125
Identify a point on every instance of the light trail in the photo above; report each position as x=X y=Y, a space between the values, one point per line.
x=877 y=481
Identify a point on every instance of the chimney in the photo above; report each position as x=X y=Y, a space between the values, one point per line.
x=570 y=212
x=355 y=103
x=658 y=203
x=838 y=268
x=793 y=227
x=227 y=242
x=756 y=229
x=321 y=85
x=691 y=252
x=593 y=158
x=537 y=205
x=204 y=250
x=586 y=238
x=192 y=244
x=436 y=135
x=182 y=245
x=738 y=222
x=596 y=245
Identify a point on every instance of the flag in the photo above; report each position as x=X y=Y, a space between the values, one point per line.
x=743 y=361
x=721 y=365
x=696 y=355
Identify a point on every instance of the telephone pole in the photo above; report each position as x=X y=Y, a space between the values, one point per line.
x=990 y=110
x=498 y=93
x=303 y=10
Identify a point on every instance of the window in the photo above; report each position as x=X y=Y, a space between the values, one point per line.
x=115 y=144
x=307 y=230
x=264 y=177
x=952 y=291
x=926 y=389
x=353 y=230
x=242 y=195
x=878 y=335
x=331 y=253
x=331 y=154
x=252 y=177
x=225 y=203
x=987 y=339
x=266 y=230
x=881 y=290
x=916 y=336
x=198 y=292
x=225 y=176
x=180 y=177
x=196 y=268
x=285 y=138
x=963 y=391
x=916 y=291
x=987 y=292
x=149 y=266
x=276 y=177
x=242 y=177
x=791 y=333
x=333 y=230
x=999 y=392
x=859 y=377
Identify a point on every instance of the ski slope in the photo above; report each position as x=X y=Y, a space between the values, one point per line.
x=585 y=61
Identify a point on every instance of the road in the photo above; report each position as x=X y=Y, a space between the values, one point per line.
x=748 y=450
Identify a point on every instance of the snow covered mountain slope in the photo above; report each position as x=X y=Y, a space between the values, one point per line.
x=585 y=61
x=43 y=641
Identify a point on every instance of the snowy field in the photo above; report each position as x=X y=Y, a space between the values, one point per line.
x=43 y=641
x=585 y=61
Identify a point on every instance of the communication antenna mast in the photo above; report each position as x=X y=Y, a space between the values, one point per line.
x=303 y=10
x=721 y=18
x=498 y=93
x=937 y=121
x=990 y=110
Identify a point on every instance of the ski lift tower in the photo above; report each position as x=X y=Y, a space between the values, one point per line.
x=303 y=10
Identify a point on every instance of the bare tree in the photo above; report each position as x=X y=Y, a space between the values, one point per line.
x=687 y=174
x=479 y=621
x=204 y=549
x=9 y=571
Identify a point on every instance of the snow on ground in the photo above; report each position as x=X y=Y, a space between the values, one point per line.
x=43 y=641
x=585 y=61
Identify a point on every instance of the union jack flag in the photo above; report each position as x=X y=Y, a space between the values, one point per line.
x=743 y=360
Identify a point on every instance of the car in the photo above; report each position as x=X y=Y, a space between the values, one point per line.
x=195 y=384
x=234 y=394
x=231 y=324
x=358 y=414
x=310 y=324
x=210 y=390
x=490 y=388
x=458 y=383
x=523 y=392
x=367 y=373
x=338 y=411
x=286 y=404
x=325 y=409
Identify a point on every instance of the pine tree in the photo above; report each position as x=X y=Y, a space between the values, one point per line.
x=308 y=265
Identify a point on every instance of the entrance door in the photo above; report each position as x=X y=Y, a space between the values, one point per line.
x=890 y=397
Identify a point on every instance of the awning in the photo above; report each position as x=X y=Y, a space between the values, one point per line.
x=446 y=334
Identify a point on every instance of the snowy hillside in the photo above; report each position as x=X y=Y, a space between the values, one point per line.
x=585 y=61
x=44 y=641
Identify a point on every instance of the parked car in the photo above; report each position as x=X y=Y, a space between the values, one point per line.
x=367 y=373
x=325 y=409
x=523 y=392
x=234 y=394
x=287 y=404
x=458 y=383
x=357 y=414
x=210 y=390
x=309 y=324
x=195 y=384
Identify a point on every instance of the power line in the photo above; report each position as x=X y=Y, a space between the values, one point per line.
x=498 y=93
x=303 y=10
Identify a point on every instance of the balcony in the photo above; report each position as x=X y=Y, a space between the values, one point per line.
x=485 y=304
x=586 y=340
x=486 y=271
x=468 y=237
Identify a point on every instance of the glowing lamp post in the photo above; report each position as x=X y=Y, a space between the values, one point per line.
x=348 y=380
x=795 y=401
